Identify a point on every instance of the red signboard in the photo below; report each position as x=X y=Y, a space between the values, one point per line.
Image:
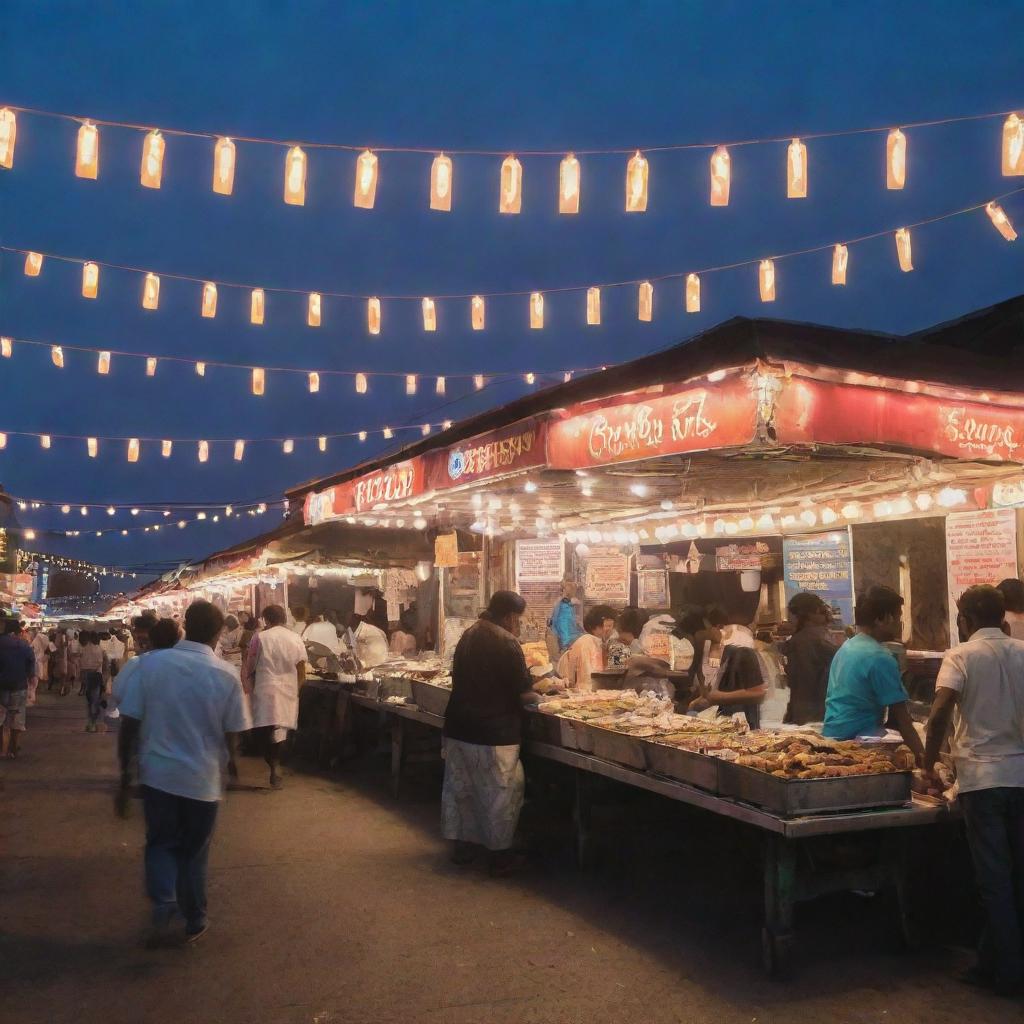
x=811 y=411
x=380 y=488
x=516 y=447
x=690 y=419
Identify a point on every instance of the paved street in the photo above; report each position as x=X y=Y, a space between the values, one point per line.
x=333 y=903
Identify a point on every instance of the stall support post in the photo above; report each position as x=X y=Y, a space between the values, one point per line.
x=779 y=899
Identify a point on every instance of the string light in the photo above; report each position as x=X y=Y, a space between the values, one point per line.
x=209 y=307
x=57 y=356
x=1013 y=146
x=314 y=382
x=477 y=313
x=373 y=315
x=33 y=264
x=103 y=363
x=224 y=167
x=150 y=366
x=313 y=310
x=536 y=310
x=204 y=451
x=721 y=172
x=692 y=293
x=295 y=177
x=441 y=181
x=478 y=381
x=361 y=384
x=429 y=315
x=151 y=292
x=410 y=383
x=766 y=280
x=90 y=280
x=87 y=155
x=6 y=348
x=151 y=172
x=239 y=452
x=8 y=137
x=258 y=380
x=569 y=185
x=903 y=250
x=366 y=181
x=166 y=447
x=288 y=446
x=796 y=170
x=645 y=301
x=593 y=306
x=840 y=259
x=440 y=386
x=1000 y=221
x=636 y=183
x=200 y=369
x=133 y=449
x=45 y=441
x=510 y=197
x=257 y=305
x=895 y=160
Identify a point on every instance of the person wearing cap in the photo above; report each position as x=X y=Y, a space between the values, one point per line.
x=483 y=777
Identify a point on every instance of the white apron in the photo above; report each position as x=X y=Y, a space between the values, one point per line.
x=275 y=699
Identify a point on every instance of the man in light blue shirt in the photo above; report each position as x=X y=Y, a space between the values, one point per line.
x=864 y=680
x=180 y=706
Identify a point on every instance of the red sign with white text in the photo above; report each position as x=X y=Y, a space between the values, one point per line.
x=688 y=420
x=512 y=448
x=813 y=411
x=382 y=487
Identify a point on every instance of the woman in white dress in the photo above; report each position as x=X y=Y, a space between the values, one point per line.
x=275 y=669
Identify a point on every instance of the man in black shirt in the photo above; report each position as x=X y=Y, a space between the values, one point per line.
x=483 y=777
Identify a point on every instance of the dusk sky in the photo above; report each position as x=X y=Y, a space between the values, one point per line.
x=509 y=77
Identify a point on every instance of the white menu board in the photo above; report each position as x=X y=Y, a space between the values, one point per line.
x=981 y=547
x=540 y=561
x=606 y=578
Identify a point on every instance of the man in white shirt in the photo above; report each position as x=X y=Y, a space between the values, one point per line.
x=180 y=706
x=981 y=686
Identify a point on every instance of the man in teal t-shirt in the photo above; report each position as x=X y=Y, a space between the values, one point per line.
x=864 y=680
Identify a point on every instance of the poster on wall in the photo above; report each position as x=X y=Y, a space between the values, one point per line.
x=821 y=564
x=540 y=561
x=652 y=588
x=741 y=556
x=606 y=578
x=981 y=547
x=446 y=550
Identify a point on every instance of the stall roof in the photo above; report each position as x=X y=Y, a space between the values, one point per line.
x=935 y=356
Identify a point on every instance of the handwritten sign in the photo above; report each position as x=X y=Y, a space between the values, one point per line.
x=606 y=578
x=740 y=557
x=446 y=550
x=540 y=561
x=981 y=547
x=652 y=588
x=821 y=564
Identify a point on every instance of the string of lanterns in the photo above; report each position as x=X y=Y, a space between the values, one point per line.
x=477 y=301
x=361 y=380
x=510 y=178
x=65 y=564
x=112 y=509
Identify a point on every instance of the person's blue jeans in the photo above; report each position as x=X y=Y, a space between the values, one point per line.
x=995 y=834
x=178 y=834
x=93 y=683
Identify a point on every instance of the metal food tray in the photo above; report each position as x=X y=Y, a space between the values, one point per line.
x=792 y=797
x=395 y=686
x=575 y=735
x=683 y=765
x=430 y=698
x=371 y=687
x=545 y=727
x=619 y=747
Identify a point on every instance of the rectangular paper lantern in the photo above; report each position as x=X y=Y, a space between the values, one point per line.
x=593 y=306
x=429 y=315
x=90 y=280
x=209 y=300
x=536 y=310
x=636 y=183
x=313 y=310
x=295 y=177
x=33 y=264
x=510 y=197
x=569 y=185
x=151 y=172
x=87 y=155
x=366 y=181
x=477 y=312
x=441 y=183
x=840 y=259
x=224 y=167
x=257 y=306
x=150 y=291
x=766 y=280
x=692 y=293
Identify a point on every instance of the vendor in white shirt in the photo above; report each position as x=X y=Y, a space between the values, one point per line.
x=319 y=631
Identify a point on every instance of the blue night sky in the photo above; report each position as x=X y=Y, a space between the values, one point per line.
x=510 y=76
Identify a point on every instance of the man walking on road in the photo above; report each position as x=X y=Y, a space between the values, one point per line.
x=983 y=680
x=17 y=671
x=181 y=706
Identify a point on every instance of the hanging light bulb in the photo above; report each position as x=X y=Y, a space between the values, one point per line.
x=840 y=259
x=209 y=300
x=200 y=369
x=150 y=292
x=103 y=363
x=295 y=177
x=478 y=381
x=373 y=315
x=593 y=306
x=645 y=301
x=288 y=447
x=536 y=310
x=65 y=509
x=33 y=264
x=151 y=366
x=257 y=306
x=313 y=310
x=410 y=383
x=224 y=167
x=362 y=435
x=569 y=185
x=1000 y=221
x=57 y=356
x=152 y=168
x=441 y=183
x=258 y=380
x=111 y=510
x=477 y=312
x=45 y=441
x=388 y=434
x=440 y=386
x=6 y=348
x=239 y=451
x=692 y=293
x=133 y=449
x=204 y=451
x=166 y=447
x=92 y=446
x=429 y=315
x=721 y=173
x=90 y=280
x=8 y=137
x=903 y=250
x=87 y=156
x=895 y=160
x=530 y=378
x=636 y=183
x=361 y=384
x=314 y=382
x=766 y=280
x=3 y=440
x=425 y=429
x=1013 y=146
x=796 y=170
x=366 y=180
x=510 y=197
